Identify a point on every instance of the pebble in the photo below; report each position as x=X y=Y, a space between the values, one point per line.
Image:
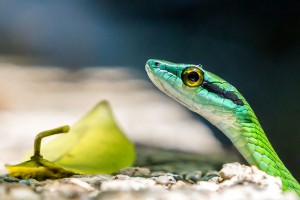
x=135 y=171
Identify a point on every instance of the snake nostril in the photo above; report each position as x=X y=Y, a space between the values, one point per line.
x=156 y=64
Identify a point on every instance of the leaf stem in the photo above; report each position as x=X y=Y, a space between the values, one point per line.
x=41 y=135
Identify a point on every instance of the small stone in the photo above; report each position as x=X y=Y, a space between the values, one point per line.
x=165 y=180
x=29 y=182
x=10 y=179
x=211 y=176
x=193 y=177
x=135 y=171
x=26 y=182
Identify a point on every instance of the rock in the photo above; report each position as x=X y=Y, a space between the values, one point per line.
x=193 y=177
x=235 y=173
x=167 y=180
x=10 y=179
x=135 y=171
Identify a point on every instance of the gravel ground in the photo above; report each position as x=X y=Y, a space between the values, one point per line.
x=234 y=181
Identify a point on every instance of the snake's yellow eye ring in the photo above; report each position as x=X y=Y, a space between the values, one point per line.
x=192 y=76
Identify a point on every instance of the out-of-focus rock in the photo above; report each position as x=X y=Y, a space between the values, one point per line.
x=135 y=171
x=235 y=173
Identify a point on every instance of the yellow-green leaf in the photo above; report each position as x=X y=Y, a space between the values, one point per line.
x=94 y=145
x=37 y=167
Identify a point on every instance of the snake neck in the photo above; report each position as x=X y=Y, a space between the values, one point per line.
x=246 y=133
x=242 y=127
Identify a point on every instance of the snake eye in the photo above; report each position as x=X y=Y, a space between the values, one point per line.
x=192 y=76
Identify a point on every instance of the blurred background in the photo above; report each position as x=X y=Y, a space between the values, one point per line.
x=253 y=45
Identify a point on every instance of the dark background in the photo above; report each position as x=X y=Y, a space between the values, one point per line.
x=254 y=45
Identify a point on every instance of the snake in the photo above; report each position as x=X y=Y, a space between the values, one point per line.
x=224 y=106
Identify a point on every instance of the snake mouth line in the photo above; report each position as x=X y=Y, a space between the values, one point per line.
x=158 y=83
x=153 y=78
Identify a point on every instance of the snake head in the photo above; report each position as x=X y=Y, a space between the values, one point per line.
x=199 y=90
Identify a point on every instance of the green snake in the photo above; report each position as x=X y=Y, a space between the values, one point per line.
x=222 y=105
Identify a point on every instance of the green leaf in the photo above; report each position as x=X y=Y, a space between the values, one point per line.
x=37 y=167
x=94 y=145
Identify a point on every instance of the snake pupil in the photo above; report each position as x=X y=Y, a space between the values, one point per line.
x=193 y=76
